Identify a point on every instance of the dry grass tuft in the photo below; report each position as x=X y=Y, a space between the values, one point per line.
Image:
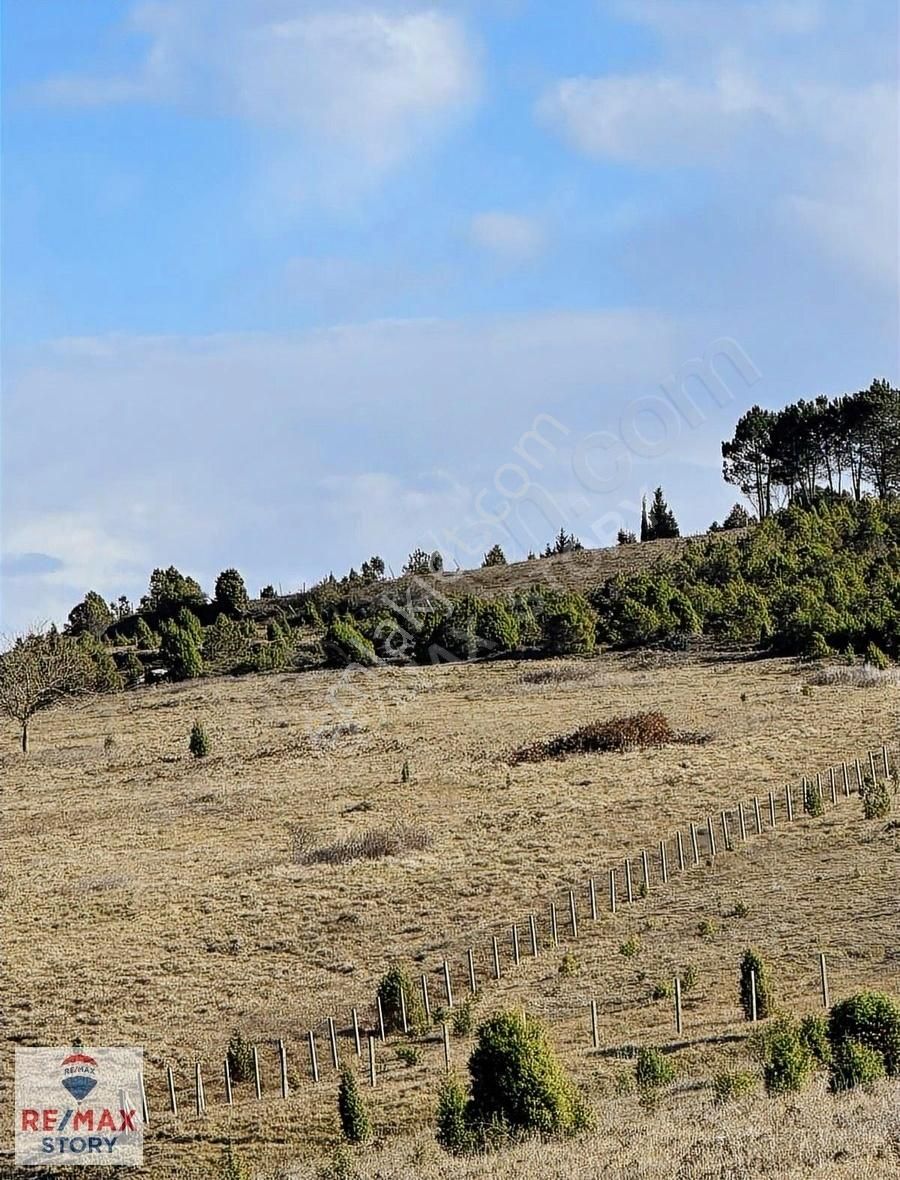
x=370 y=845
x=639 y=731
x=556 y=674
x=857 y=676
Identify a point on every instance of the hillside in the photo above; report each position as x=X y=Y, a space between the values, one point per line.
x=186 y=873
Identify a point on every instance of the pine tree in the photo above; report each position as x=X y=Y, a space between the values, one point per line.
x=645 y=523
x=661 y=519
x=355 y=1123
x=494 y=556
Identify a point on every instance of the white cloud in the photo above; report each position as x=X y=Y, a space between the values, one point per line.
x=374 y=80
x=512 y=237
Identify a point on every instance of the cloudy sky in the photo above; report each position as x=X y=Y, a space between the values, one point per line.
x=290 y=282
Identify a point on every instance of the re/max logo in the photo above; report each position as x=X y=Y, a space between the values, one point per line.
x=81 y=1120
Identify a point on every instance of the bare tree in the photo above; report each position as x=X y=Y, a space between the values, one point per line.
x=38 y=671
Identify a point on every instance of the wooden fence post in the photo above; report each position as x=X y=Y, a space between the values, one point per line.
x=887 y=765
x=257 y=1076
x=226 y=1070
x=695 y=847
x=677 y=1005
x=833 y=782
x=426 y=1002
x=380 y=1008
x=771 y=809
x=742 y=823
x=846 y=773
x=554 y=927
x=532 y=931
x=612 y=891
x=872 y=769
x=470 y=962
x=404 y=1023
x=198 y=1091
x=282 y=1061
x=726 y=835
x=756 y=815
x=712 y=835
x=789 y=799
x=645 y=872
x=371 y=1061
x=515 y=944
x=859 y=775
x=448 y=990
x=823 y=974
x=573 y=917
x=145 y=1108
x=679 y=848
x=313 y=1060
x=173 y=1101
x=332 y=1032
x=446 y=1033
x=629 y=885
x=592 y=895
x=663 y=862
x=496 y=949
x=753 y=995
x=595 y=1032
x=356 y=1042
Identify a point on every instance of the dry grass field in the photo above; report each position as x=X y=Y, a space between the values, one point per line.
x=154 y=899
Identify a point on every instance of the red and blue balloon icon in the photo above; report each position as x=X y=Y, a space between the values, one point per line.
x=80 y=1083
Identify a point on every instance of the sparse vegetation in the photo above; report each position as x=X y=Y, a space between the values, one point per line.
x=753 y=966
x=394 y=990
x=370 y=845
x=868 y=1019
x=653 y=1069
x=635 y=732
x=240 y=1057
x=355 y=1124
x=877 y=796
x=199 y=741
x=729 y=1085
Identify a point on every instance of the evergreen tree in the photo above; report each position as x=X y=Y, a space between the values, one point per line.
x=494 y=556
x=661 y=520
x=90 y=617
x=355 y=1123
x=645 y=523
x=231 y=593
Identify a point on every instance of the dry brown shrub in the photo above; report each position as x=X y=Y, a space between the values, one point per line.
x=370 y=845
x=636 y=732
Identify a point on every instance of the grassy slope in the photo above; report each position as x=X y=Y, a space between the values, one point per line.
x=163 y=907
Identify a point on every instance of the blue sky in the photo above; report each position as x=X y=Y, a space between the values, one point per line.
x=285 y=283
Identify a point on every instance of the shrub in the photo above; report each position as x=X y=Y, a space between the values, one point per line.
x=392 y=983
x=345 y=645
x=146 y=639
x=730 y=1085
x=876 y=658
x=494 y=556
x=404 y=771
x=661 y=990
x=653 y=1069
x=371 y=845
x=707 y=928
x=788 y=1062
x=498 y=630
x=638 y=731
x=876 y=799
x=132 y=670
x=268 y=592
x=817 y=648
x=871 y=1019
x=231 y=593
x=517 y=1081
x=568 y=964
x=813 y=803
x=199 y=741
x=355 y=1124
x=101 y=672
x=753 y=963
x=181 y=653
x=569 y=628
x=453 y=1133
x=630 y=947
x=854 y=1064
x=409 y=1055
x=233 y=1167
x=240 y=1057
x=689 y=978
x=462 y=1017
x=813 y=1033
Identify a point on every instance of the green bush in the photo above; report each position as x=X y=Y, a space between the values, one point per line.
x=199 y=741
x=101 y=671
x=813 y=1033
x=653 y=1069
x=462 y=1019
x=231 y=593
x=392 y=983
x=871 y=1019
x=569 y=628
x=233 y=1167
x=517 y=1081
x=240 y=1057
x=730 y=1085
x=753 y=962
x=817 y=648
x=498 y=629
x=494 y=556
x=146 y=639
x=813 y=802
x=453 y=1131
x=181 y=653
x=854 y=1064
x=345 y=645
x=876 y=798
x=788 y=1062
x=355 y=1124
x=409 y=1055
x=876 y=657
x=132 y=670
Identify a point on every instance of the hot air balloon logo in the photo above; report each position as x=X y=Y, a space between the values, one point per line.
x=79 y=1075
